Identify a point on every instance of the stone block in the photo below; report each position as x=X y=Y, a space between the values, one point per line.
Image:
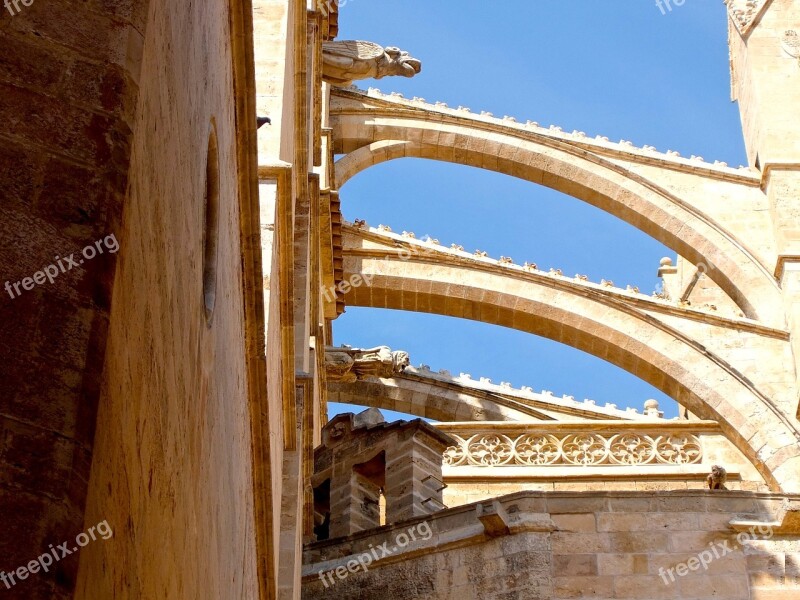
x=579 y=522
x=575 y=564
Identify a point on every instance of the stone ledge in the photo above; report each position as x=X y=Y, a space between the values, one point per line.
x=473 y=474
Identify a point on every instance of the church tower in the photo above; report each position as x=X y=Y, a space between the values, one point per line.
x=764 y=37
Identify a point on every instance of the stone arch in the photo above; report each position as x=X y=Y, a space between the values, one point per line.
x=442 y=397
x=372 y=135
x=607 y=328
x=431 y=399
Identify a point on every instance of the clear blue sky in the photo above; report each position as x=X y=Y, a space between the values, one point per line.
x=620 y=69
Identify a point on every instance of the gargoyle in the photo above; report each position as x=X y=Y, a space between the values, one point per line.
x=353 y=364
x=346 y=61
x=717 y=478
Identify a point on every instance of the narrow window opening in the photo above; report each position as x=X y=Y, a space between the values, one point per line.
x=211 y=227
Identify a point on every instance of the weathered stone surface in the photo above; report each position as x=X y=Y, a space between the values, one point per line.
x=648 y=561
x=201 y=456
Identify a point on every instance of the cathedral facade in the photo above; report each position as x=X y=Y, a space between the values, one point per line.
x=172 y=230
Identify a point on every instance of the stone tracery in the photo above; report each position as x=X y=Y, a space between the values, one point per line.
x=573 y=449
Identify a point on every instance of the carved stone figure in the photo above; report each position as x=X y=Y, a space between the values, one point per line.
x=790 y=42
x=717 y=478
x=337 y=431
x=354 y=364
x=346 y=61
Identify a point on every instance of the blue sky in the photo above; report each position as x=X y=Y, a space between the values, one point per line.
x=618 y=68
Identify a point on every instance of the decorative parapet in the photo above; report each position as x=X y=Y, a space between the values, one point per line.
x=577 y=449
x=556 y=132
x=575 y=444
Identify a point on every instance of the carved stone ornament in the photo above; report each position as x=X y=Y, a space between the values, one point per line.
x=573 y=449
x=354 y=364
x=717 y=478
x=346 y=61
x=790 y=42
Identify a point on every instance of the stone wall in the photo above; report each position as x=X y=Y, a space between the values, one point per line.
x=173 y=464
x=69 y=76
x=572 y=545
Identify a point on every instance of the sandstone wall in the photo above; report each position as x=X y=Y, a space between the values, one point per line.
x=603 y=545
x=68 y=82
x=173 y=469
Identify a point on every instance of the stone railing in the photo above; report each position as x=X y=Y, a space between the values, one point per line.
x=576 y=444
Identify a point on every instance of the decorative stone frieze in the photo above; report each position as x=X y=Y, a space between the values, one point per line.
x=487 y=449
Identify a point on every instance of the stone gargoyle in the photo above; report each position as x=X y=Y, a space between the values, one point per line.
x=344 y=62
x=347 y=364
x=717 y=478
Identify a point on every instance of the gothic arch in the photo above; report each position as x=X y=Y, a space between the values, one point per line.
x=370 y=131
x=609 y=328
